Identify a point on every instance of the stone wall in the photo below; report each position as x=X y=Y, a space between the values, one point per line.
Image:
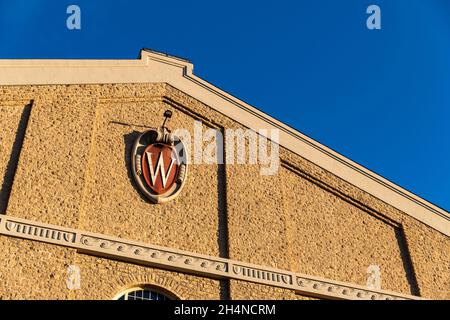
x=64 y=160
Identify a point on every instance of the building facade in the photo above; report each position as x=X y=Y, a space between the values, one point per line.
x=82 y=216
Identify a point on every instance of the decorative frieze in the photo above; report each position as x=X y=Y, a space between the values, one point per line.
x=258 y=274
x=30 y=230
x=343 y=291
x=189 y=262
x=153 y=254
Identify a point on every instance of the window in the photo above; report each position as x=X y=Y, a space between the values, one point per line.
x=142 y=293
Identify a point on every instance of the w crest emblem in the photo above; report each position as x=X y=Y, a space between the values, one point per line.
x=157 y=164
x=159 y=167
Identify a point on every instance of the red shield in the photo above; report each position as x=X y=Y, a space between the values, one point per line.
x=159 y=167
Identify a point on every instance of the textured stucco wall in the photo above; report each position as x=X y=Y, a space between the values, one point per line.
x=13 y=118
x=73 y=171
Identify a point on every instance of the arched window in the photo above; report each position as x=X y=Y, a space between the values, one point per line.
x=142 y=293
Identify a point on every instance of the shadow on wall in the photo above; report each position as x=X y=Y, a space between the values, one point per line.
x=407 y=263
x=128 y=140
x=11 y=168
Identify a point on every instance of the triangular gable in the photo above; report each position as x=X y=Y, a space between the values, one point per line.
x=153 y=67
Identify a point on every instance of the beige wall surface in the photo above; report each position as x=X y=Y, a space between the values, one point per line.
x=64 y=160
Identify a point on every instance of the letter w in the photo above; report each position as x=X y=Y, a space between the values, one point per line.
x=159 y=168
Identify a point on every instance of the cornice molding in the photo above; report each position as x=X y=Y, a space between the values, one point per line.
x=189 y=262
x=153 y=67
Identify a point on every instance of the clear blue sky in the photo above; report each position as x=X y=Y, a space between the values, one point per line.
x=379 y=97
